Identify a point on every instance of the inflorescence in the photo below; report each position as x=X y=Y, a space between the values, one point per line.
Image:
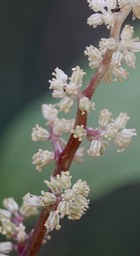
x=62 y=198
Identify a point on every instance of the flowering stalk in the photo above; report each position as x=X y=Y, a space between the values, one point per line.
x=66 y=157
x=63 y=199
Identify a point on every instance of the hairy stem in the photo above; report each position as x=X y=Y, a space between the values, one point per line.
x=66 y=157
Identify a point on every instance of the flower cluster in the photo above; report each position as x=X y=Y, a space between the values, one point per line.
x=67 y=91
x=57 y=127
x=105 y=11
x=134 y=5
x=11 y=224
x=123 y=52
x=62 y=200
x=110 y=129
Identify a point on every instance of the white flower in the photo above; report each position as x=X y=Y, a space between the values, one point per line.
x=109 y=18
x=111 y=4
x=106 y=16
x=63 y=200
x=104 y=11
x=119 y=73
x=74 y=202
x=110 y=131
x=21 y=235
x=65 y=104
x=107 y=43
x=104 y=117
x=7 y=228
x=65 y=90
x=76 y=79
x=136 y=8
x=79 y=132
x=62 y=126
x=64 y=180
x=58 y=83
x=130 y=59
x=81 y=187
x=85 y=105
x=127 y=34
x=29 y=210
x=123 y=138
x=54 y=185
x=6 y=247
x=53 y=221
x=10 y=204
x=81 y=201
x=79 y=155
x=59 y=93
x=97 y=148
x=135 y=5
x=124 y=53
x=117 y=58
x=5 y=214
x=76 y=212
x=95 y=20
x=49 y=112
x=127 y=38
x=42 y=158
x=63 y=208
x=68 y=195
x=96 y=5
x=94 y=56
x=106 y=7
x=113 y=130
x=32 y=200
x=121 y=121
x=39 y=134
x=47 y=198
x=60 y=75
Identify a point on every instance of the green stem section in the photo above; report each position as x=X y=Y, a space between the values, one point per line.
x=66 y=157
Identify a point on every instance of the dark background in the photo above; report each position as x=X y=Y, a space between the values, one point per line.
x=35 y=37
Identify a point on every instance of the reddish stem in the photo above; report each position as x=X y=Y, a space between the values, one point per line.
x=66 y=157
x=64 y=161
x=37 y=236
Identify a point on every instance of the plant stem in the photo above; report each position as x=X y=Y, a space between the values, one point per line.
x=64 y=161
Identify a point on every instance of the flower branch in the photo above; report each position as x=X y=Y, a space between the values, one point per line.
x=66 y=157
x=63 y=198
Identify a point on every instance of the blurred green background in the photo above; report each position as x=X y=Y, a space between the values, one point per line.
x=37 y=36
